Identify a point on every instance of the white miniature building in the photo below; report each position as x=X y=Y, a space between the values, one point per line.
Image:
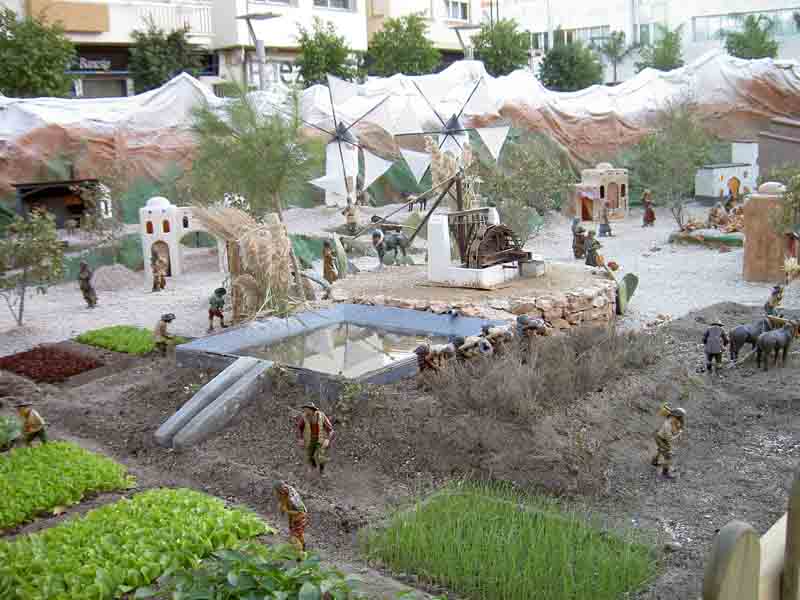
x=739 y=177
x=163 y=225
x=602 y=184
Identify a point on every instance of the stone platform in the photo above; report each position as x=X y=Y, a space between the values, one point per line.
x=567 y=296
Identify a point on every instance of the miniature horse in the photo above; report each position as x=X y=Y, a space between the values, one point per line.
x=388 y=243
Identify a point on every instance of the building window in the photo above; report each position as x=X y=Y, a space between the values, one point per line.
x=602 y=192
x=185 y=222
x=165 y=226
x=644 y=34
x=340 y=4
x=457 y=10
x=149 y=227
x=715 y=27
x=624 y=190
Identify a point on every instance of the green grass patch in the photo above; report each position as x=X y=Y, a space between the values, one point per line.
x=490 y=543
x=123 y=338
x=34 y=480
x=122 y=546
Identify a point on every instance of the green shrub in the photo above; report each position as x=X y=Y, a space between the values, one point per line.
x=490 y=542
x=123 y=338
x=115 y=549
x=10 y=430
x=257 y=572
x=33 y=480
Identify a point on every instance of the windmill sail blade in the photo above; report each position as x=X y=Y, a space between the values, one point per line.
x=452 y=143
x=374 y=167
x=494 y=138
x=330 y=183
x=480 y=102
x=418 y=162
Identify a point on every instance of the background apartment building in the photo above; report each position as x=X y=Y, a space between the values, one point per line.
x=101 y=32
x=702 y=21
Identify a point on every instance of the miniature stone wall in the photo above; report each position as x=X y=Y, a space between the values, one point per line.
x=591 y=305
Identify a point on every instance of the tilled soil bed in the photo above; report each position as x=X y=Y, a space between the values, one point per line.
x=48 y=364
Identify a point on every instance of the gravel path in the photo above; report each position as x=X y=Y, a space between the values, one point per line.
x=672 y=281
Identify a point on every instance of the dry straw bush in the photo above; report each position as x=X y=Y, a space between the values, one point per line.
x=557 y=372
x=261 y=279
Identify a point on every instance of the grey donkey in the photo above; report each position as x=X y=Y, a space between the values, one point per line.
x=747 y=334
x=775 y=341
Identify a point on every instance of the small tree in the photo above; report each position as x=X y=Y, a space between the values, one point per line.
x=665 y=54
x=243 y=153
x=531 y=180
x=157 y=56
x=667 y=160
x=34 y=57
x=570 y=67
x=322 y=51
x=402 y=46
x=615 y=50
x=30 y=254
x=754 y=41
x=502 y=47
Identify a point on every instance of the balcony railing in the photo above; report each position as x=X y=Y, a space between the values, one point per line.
x=195 y=16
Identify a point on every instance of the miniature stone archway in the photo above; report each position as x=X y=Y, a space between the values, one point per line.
x=162 y=225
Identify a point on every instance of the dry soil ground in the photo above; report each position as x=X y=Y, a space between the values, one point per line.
x=736 y=462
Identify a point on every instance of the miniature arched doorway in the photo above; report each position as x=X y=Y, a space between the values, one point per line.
x=587 y=209
x=613 y=195
x=161 y=249
x=733 y=186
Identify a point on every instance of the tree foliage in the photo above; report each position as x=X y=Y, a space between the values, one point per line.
x=754 y=41
x=244 y=153
x=667 y=160
x=502 y=47
x=402 y=46
x=34 y=57
x=322 y=51
x=570 y=67
x=665 y=54
x=532 y=178
x=30 y=255
x=615 y=50
x=157 y=56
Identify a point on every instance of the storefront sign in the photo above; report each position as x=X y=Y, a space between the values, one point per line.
x=98 y=64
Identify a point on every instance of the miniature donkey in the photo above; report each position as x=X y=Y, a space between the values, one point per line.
x=384 y=243
x=775 y=341
x=747 y=334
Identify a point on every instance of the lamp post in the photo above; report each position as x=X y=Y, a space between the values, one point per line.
x=261 y=55
x=466 y=45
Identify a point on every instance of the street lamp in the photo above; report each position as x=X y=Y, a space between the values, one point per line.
x=466 y=45
x=261 y=55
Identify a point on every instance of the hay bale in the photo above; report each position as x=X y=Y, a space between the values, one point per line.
x=111 y=278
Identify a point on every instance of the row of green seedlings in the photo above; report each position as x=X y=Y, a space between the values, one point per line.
x=123 y=338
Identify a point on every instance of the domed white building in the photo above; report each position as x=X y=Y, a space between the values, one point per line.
x=162 y=226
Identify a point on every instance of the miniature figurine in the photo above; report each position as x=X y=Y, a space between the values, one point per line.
x=591 y=246
x=649 y=218
x=85 y=284
x=434 y=358
x=388 y=243
x=290 y=503
x=33 y=426
x=714 y=339
x=215 y=305
x=578 y=238
x=329 y=271
x=351 y=217
x=747 y=334
x=717 y=216
x=410 y=199
x=160 y=334
x=498 y=337
x=668 y=432
x=774 y=300
x=605 y=224
x=159 y=268
x=314 y=435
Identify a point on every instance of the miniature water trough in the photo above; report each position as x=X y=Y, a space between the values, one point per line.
x=325 y=349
